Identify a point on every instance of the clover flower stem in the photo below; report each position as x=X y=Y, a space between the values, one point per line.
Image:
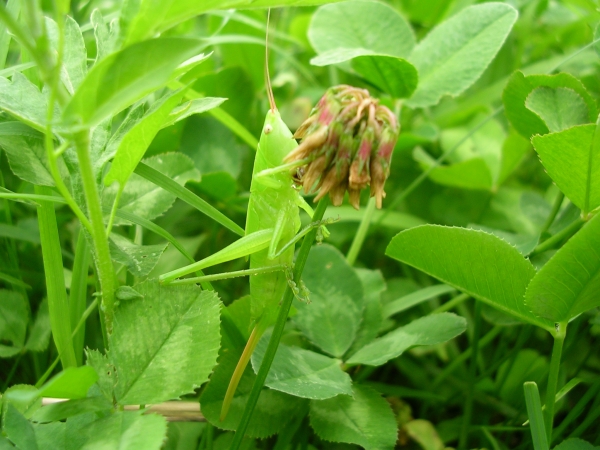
x=361 y=233
x=286 y=303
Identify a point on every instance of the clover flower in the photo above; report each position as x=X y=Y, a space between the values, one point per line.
x=346 y=145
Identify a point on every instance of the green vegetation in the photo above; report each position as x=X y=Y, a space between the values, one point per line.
x=462 y=314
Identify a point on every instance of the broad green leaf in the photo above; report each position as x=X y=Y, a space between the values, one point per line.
x=575 y=444
x=24 y=101
x=394 y=76
x=366 y=420
x=273 y=410
x=23 y=397
x=415 y=298
x=302 y=373
x=26 y=155
x=472 y=173
x=39 y=334
x=14 y=315
x=139 y=259
x=339 y=55
x=428 y=330
x=132 y=146
x=145 y=199
x=560 y=108
x=569 y=283
x=373 y=285
x=126 y=76
x=514 y=149
x=455 y=53
x=164 y=345
x=19 y=430
x=63 y=410
x=51 y=435
x=74 y=68
x=371 y=26
x=572 y=159
x=107 y=374
x=127 y=430
x=332 y=317
x=519 y=87
x=195 y=106
x=477 y=263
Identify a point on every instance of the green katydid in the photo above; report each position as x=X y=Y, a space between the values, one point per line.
x=272 y=225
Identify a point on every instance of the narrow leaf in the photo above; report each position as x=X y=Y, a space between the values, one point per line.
x=477 y=263
x=133 y=145
x=536 y=418
x=569 y=283
x=126 y=76
x=415 y=298
x=428 y=330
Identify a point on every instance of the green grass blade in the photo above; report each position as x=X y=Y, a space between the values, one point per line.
x=536 y=418
x=187 y=196
x=55 y=282
x=78 y=297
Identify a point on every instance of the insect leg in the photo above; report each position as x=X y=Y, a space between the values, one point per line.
x=300 y=235
x=244 y=246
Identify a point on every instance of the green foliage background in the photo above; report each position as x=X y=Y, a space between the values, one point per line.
x=435 y=322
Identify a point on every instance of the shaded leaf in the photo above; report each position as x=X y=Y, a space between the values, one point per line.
x=139 y=259
x=477 y=263
x=126 y=76
x=273 y=410
x=107 y=374
x=394 y=76
x=164 y=345
x=575 y=444
x=572 y=159
x=39 y=335
x=26 y=155
x=74 y=55
x=456 y=52
x=302 y=373
x=189 y=108
x=415 y=298
x=142 y=197
x=428 y=330
x=332 y=317
x=373 y=285
x=560 y=108
x=14 y=315
x=519 y=87
x=569 y=283
x=366 y=420
x=70 y=408
x=19 y=430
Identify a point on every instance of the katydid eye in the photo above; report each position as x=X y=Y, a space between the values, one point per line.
x=268 y=129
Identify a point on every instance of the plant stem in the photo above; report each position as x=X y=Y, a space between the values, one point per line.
x=559 y=339
x=361 y=233
x=104 y=265
x=468 y=411
x=558 y=237
x=286 y=303
x=555 y=208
